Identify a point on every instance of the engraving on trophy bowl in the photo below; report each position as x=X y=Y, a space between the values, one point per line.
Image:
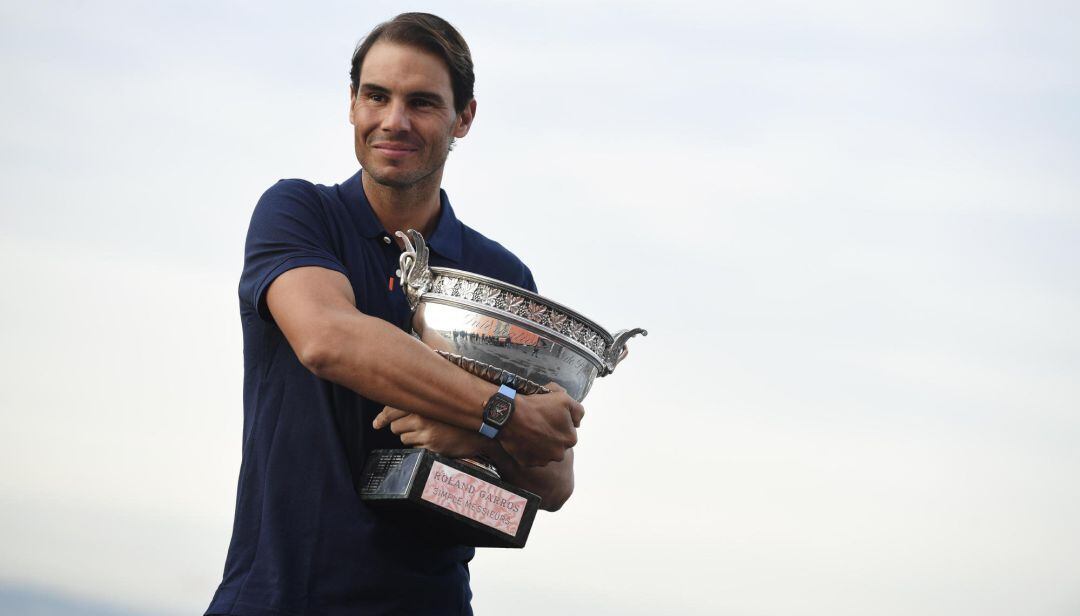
x=504 y=333
x=506 y=345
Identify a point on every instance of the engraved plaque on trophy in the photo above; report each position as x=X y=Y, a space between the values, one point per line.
x=506 y=335
x=450 y=497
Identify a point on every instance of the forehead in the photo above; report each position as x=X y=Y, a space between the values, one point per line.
x=402 y=67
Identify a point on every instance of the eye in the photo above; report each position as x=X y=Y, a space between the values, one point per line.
x=376 y=97
x=422 y=102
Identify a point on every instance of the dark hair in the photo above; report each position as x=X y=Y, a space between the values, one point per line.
x=430 y=33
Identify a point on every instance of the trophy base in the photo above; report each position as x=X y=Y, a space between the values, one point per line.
x=459 y=500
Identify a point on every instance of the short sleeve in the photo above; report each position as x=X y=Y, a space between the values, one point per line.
x=290 y=228
x=527 y=281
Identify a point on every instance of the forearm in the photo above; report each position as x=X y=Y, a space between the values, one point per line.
x=553 y=483
x=316 y=310
x=383 y=363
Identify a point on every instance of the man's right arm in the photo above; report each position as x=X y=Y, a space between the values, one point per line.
x=316 y=310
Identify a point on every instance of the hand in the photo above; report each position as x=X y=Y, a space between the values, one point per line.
x=542 y=427
x=419 y=431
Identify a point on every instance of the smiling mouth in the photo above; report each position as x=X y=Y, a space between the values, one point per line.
x=395 y=149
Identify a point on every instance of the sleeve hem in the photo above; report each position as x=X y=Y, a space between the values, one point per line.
x=259 y=298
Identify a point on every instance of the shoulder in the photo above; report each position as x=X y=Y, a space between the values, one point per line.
x=485 y=256
x=294 y=199
x=293 y=191
x=296 y=211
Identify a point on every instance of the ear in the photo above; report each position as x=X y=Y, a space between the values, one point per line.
x=352 y=105
x=465 y=119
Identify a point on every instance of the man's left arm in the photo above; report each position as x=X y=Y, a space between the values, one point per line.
x=553 y=483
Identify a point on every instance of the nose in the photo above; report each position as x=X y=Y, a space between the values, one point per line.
x=396 y=118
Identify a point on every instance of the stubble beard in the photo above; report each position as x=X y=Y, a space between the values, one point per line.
x=409 y=180
x=400 y=183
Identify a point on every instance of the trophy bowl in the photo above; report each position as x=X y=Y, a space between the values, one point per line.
x=503 y=333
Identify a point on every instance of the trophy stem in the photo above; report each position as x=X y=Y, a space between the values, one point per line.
x=483 y=464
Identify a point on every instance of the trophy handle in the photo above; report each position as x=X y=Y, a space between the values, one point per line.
x=414 y=271
x=617 y=351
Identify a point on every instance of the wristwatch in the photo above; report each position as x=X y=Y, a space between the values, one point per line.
x=497 y=411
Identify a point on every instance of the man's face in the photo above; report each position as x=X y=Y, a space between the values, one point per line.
x=403 y=115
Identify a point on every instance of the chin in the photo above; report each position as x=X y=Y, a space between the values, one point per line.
x=390 y=179
x=397 y=177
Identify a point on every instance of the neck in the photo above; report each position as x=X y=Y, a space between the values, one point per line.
x=411 y=207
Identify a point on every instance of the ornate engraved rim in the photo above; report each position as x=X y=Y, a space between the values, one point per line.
x=520 y=305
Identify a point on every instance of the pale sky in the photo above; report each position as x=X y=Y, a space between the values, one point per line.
x=852 y=230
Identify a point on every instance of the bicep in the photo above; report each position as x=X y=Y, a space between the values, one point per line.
x=306 y=302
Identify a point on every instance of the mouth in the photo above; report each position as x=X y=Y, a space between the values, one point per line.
x=395 y=149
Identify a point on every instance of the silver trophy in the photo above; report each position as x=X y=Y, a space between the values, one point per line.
x=508 y=336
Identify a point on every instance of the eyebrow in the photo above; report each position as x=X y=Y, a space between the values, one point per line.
x=432 y=96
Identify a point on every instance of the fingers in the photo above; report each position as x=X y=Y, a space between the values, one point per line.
x=413 y=438
x=388 y=415
x=408 y=423
x=536 y=458
x=576 y=412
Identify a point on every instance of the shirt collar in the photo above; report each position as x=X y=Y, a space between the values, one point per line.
x=445 y=240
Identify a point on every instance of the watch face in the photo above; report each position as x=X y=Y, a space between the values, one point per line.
x=498 y=410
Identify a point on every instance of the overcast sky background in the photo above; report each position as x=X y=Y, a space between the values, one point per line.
x=852 y=230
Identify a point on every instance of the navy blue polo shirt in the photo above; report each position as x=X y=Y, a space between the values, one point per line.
x=303 y=542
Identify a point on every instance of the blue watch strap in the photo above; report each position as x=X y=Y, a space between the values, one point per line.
x=489 y=431
x=508 y=391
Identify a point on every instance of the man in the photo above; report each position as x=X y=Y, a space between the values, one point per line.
x=331 y=374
